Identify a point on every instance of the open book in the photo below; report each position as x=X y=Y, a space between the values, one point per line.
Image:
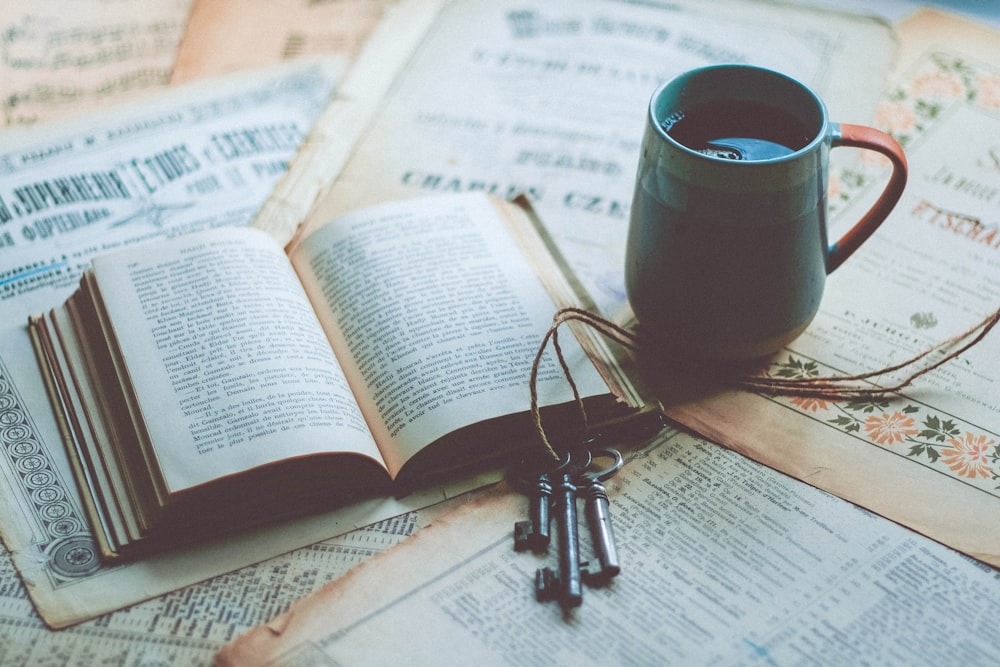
x=216 y=380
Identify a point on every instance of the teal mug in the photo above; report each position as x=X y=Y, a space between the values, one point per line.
x=727 y=251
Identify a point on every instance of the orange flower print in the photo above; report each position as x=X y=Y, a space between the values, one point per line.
x=989 y=91
x=896 y=117
x=937 y=84
x=809 y=403
x=889 y=429
x=967 y=457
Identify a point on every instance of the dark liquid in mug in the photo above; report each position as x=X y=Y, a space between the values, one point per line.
x=734 y=130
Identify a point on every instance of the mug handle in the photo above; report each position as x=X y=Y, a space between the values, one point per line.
x=859 y=136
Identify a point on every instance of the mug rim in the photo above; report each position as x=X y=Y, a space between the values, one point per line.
x=820 y=137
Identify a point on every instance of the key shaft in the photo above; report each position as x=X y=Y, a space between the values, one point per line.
x=569 y=545
x=534 y=534
x=597 y=508
x=565 y=586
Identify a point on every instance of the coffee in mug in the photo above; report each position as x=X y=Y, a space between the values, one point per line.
x=727 y=251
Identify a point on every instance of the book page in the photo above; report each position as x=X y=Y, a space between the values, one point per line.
x=724 y=562
x=437 y=315
x=227 y=360
x=930 y=457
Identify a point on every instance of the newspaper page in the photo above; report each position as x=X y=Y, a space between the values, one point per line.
x=59 y=58
x=189 y=625
x=930 y=457
x=724 y=562
x=549 y=99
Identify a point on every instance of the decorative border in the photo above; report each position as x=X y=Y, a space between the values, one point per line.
x=940 y=82
x=64 y=544
x=903 y=426
x=940 y=441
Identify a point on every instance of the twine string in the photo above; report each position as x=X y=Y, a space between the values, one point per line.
x=839 y=387
x=562 y=316
x=831 y=387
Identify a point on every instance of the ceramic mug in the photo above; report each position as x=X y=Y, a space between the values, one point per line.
x=727 y=251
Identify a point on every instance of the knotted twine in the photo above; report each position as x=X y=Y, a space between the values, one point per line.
x=831 y=387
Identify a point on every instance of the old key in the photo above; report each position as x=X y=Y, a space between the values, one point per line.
x=556 y=485
x=534 y=479
x=565 y=586
x=597 y=510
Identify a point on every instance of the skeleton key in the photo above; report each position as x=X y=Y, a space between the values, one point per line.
x=597 y=510
x=566 y=585
x=534 y=533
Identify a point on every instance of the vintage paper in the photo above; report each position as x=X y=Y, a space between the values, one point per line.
x=178 y=163
x=724 y=562
x=549 y=99
x=226 y=35
x=186 y=626
x=187 y=164
x=357 y=102
x=929 y=458
x=60 y=58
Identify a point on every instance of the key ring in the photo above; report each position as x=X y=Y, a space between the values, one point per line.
x=604 y=474
x=578 y=465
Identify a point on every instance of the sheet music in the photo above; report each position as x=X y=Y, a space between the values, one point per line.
x=227 y=35
x=61 y=58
